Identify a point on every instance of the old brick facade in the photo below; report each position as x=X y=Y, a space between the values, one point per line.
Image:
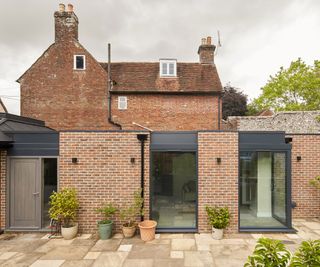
x=72 y=99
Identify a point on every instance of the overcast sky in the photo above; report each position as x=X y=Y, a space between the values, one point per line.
x=257 y=37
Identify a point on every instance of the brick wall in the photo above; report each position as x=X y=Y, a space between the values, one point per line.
x=104 y=172
x=65 y=98
x=3 y=175
x=168 y=112
x=218 y=183
x=306 y=196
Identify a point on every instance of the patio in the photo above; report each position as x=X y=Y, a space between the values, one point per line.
x=37 y=250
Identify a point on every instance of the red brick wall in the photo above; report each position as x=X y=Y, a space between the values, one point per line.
x=63 y=97
x=168 y=112
x=103 y=173
x=218 y=183
x=306 y=196
x=3 y=175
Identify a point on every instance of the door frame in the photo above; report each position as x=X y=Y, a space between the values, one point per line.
x=7 y=190
x=174 y=229
x=288 y=224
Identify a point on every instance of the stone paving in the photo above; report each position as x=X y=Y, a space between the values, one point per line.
x=169 y=250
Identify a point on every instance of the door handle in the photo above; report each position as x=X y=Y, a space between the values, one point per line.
x=36 y=193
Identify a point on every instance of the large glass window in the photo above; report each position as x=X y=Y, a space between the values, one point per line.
x=49 y=181
x=263 y=190
x=174 y=189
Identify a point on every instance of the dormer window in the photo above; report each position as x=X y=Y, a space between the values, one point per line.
x=79 y=62
x=168 y=67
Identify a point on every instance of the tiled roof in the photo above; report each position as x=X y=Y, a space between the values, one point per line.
x=144 y=77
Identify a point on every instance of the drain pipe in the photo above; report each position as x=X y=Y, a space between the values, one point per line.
x=142 y=138
x=109 y=89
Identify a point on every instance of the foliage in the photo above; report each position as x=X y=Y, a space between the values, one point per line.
x=318 y=118
x=315 y=182
x=307 y=255
x=130 y=213
x=218 y=217
x=63 y=206
x=107 y=211
x=294 y=88
x=269 y=252
x=234 y=102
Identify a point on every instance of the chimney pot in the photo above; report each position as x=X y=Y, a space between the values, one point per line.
x=70 y=8
x=209 y=40
x=62 y=7
x=203 y=41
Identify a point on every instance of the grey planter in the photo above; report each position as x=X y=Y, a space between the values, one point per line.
x=105 y=230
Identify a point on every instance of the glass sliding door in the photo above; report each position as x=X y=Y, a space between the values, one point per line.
x=174 y=189
x=263 y=190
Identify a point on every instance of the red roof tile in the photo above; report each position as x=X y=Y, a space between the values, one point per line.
x=144 y=77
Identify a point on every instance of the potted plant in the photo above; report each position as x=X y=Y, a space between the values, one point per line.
x=129 y=215
x=105 y=225
x=63 y=208
x=219 y=219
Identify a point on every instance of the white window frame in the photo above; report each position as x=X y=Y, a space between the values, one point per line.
x=75 y=62
x=167 y=62
x=124 y=100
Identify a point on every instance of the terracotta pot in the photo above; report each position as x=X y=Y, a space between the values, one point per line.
x=69 y=232
x=147 y=230
x=128 y=231
x=217 y=233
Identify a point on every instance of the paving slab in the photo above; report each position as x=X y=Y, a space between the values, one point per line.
x=125 y=248
x=29 y=246
x=171 y=236
x=138 y=263
x=66 y=253
x=227 y=262
x=83 y=242
x=176 y=254
x=231 y=251
x=47 y=263
x=53 y=243
x=132 y=241
x=108 y=259
x=312 y=225
x=84 y=236
x=106 y=245
x=92 y=255
x=168 y=263
x=78 y=263
x=148 y=251
x=7 y=255
x=198 y=259
x=22 y=259
x=183 y=244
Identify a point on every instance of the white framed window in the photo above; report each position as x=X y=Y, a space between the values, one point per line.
x=79 y=62
x=122 y=102
x=168 y=67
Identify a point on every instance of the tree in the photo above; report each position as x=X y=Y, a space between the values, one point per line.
x=294 y=88
x=234 y=102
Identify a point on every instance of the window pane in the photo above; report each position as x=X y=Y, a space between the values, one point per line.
x=262 y=190
x=174 y=189
x=49 y=180
x=80 y=62
x=171 y=68
x=164 y=68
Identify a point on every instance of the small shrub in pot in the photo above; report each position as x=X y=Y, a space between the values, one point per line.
x=63 y=208
x=105 y=225
x=130 y=213
x=219 y=219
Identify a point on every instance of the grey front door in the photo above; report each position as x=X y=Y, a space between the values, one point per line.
x=25 y=190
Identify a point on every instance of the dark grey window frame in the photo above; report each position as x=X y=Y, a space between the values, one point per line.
x=176 y=146
x=271 y=146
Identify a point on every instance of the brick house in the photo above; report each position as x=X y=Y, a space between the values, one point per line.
x=108 y=129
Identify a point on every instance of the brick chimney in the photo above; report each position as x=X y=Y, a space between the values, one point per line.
x=66 y=24
x=206 y=51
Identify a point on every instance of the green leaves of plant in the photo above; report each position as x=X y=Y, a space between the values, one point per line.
x=218 y=217
x=272 y=253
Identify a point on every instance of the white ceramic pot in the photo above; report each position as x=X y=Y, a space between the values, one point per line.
x=70 y=232
x=217 y=233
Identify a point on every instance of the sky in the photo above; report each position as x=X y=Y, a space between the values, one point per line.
x=257 y=37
